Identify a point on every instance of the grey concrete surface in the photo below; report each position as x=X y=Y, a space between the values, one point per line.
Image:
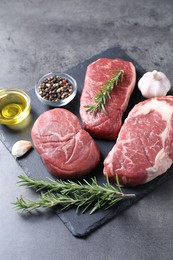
x=41 y=36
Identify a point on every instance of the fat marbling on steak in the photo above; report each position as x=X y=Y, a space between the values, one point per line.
x=66 y=149
x=144 y=147
x=106 y=126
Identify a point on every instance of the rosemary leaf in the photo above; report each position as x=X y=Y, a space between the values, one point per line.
x=69 y=193
x=103 y=96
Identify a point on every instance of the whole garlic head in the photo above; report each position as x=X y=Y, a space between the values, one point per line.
x=154 y=84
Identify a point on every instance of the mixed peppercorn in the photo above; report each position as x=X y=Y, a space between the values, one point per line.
x=55 y=88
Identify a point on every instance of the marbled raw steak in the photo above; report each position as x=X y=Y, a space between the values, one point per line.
x=106 y=126
x=144 y=147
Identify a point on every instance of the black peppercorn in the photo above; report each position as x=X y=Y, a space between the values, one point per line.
x=54 y=88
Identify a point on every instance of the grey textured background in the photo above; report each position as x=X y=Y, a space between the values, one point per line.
x=40 y=36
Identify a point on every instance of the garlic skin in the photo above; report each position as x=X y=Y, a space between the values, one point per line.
x=154 y=84
x=20 y=148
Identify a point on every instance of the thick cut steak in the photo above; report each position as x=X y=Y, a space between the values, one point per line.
x=144 y=147
x=66 y=149
x=106 y=126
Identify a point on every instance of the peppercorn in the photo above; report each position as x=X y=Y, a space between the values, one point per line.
x=55 y=88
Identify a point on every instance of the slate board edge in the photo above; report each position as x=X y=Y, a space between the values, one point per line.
x=97 y=55
x=160 y=180
x=121 y=207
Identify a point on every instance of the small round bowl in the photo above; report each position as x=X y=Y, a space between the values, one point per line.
x=15 y=106
x=61 y=102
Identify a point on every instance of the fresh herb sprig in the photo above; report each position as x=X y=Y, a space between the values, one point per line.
x=69 y=193
x=103 y=95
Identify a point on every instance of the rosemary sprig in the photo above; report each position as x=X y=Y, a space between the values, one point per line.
x=70 y=193
x=103 y=96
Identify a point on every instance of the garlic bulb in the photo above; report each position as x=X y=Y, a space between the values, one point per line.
x=154 y=84
x=20 y=148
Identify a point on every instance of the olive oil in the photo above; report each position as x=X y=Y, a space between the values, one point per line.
x=11 y=110
x=14 y=107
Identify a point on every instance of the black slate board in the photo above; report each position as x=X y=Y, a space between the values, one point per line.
x=80 y=224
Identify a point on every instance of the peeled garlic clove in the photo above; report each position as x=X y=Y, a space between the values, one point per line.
x=154 y=84
x=20 y=148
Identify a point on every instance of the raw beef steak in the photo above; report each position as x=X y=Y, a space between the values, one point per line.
x=144 y=147
x=106 y=126
x=66 y=149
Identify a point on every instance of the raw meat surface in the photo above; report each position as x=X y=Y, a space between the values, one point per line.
x=66 y=149
x=144 y=147
x=106 y=126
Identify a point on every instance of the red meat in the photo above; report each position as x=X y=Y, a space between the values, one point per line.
x=106 y=126
x=143 y=149
x=66 y=149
